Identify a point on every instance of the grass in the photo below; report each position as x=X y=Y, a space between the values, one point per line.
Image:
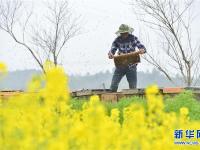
x=185 y=99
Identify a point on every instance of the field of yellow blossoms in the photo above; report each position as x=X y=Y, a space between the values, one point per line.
x=44 y=120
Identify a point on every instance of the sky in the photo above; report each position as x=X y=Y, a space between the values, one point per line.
x=86 y=52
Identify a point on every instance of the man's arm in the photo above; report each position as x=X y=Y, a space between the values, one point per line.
x=140 y=46
x=114 y=48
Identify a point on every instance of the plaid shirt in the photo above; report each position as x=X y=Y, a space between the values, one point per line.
x=126 y=45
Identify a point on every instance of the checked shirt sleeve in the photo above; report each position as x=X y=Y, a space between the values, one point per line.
x=114 y=47
x=139 y=44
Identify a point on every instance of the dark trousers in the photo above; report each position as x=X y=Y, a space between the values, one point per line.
x=131 y=75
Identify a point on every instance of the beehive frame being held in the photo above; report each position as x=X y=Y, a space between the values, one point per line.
x=124 y=60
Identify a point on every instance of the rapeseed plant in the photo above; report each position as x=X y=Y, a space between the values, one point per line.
x=43 y=119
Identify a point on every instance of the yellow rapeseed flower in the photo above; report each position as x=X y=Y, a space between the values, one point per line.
x=184 y=111
x=3 y=68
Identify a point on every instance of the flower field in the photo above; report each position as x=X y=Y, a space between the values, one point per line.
x=46 y=119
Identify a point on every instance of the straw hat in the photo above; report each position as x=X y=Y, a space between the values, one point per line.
x=123 y=28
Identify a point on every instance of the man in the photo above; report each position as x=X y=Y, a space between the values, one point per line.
x=126 y=42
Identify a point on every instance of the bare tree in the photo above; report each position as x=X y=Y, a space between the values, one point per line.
x=46 y=40
x=172 y=20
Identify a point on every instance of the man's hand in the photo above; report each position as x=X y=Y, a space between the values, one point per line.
x=141 y=51
x=110 y=55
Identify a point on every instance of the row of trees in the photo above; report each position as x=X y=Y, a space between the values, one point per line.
x=172 y=20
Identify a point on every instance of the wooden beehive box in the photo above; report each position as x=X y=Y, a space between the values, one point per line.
x=126 y=59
